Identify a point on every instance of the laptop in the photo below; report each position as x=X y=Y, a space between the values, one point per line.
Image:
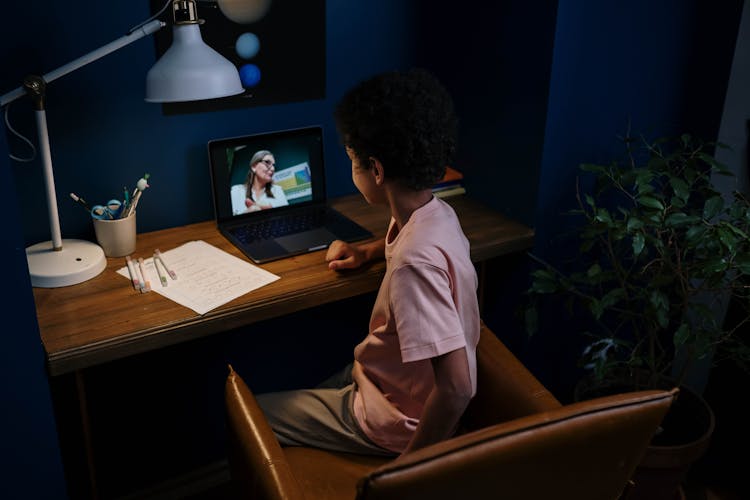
x=301 y=220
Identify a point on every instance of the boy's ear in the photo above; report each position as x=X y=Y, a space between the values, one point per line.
x=377 y=170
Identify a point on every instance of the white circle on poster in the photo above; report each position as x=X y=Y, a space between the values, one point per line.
x=247 y=45
x=244 y=11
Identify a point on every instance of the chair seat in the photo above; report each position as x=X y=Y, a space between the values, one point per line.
x=328 y=475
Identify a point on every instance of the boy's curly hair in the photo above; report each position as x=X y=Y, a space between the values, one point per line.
x=404 y=119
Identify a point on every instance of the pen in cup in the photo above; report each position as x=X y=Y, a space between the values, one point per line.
x=140 y=186
x=80 y=201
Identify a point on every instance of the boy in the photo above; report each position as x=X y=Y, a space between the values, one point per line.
x=415 y=372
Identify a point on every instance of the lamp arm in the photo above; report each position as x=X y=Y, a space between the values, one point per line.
x=34 y=86
x=92 y=56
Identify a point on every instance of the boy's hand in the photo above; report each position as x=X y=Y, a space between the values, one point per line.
x=342 y=255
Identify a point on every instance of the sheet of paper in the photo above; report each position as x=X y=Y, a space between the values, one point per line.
x=207 y=276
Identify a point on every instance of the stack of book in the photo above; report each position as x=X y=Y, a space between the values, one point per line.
x=450 y=185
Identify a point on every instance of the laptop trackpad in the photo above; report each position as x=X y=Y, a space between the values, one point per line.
x=314 y=239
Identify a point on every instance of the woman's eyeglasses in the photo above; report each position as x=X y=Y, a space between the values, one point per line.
x=269 y=163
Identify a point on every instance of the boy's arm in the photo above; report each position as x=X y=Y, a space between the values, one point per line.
x=342 y=255
x=446 y=403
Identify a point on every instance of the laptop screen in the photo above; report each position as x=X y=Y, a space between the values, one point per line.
x=266 y=172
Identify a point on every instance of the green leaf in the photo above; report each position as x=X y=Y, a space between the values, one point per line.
x=712 y=207
x=638 y=243
x=719 y=167
x=680 y=187
x=643 y=177
x=743 y=264
x=675 y=219
x=727 y=238
x=612 y=297
x=643 y=180
x=694 y=233
x=594 y=270
x=651 y=202
x=596 y=308
x=737 y=231
x=544 y=282
x=602 y=215
x=634 y=224
x=659 y=300
x=715 y=265
x=680 y=218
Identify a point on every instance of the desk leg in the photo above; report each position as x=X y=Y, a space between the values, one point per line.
x=86 y=430
x=74 y=432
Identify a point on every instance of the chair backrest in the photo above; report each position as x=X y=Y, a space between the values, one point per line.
x=506 y=389
x=586 y=451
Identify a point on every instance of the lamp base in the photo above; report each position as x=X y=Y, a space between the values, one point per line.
x=78 y=261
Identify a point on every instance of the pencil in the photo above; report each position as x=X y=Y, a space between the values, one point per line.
x=80 y=201
x=133 y=273
x=146 y=282
x=131 y=208
x=162 y=278
x=158 y=255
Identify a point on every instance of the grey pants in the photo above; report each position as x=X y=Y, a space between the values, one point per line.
x=320 y=417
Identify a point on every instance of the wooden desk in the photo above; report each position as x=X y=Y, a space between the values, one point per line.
x=105 y=319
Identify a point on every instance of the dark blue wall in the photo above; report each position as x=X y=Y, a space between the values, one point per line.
x=662 y=65
x=30 y=462
x=495 y=58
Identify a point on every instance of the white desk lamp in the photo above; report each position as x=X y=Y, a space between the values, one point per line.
x=190 y=70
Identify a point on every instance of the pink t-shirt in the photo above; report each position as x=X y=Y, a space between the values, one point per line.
x=426 y=307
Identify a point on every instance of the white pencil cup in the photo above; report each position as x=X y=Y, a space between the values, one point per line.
x=116 y=236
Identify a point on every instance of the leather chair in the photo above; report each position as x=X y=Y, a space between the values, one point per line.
x=518 y=442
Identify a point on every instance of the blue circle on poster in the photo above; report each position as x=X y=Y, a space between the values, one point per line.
x=250 y=75
x=247 y=45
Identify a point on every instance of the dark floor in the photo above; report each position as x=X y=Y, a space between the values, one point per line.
x=220 y=492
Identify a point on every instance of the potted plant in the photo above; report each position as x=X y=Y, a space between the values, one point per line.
x=661 y=249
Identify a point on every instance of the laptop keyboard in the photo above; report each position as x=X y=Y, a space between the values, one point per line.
x=279 y=226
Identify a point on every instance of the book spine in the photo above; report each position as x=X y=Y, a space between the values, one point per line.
x=445 y=193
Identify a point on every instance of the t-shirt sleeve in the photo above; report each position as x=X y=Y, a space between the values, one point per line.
x=426 y=318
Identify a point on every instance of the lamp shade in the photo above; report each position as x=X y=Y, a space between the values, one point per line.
x=190 y=70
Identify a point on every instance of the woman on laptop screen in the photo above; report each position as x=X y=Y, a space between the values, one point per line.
x=259 y=191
